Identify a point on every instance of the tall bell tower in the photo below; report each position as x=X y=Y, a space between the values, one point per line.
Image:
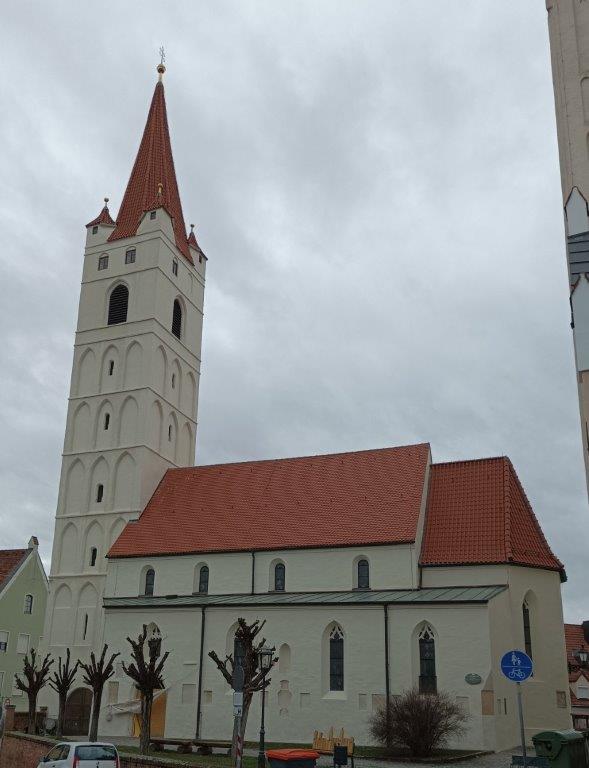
x=132 y=409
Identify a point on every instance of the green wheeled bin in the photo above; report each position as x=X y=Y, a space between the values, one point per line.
x=563 y=749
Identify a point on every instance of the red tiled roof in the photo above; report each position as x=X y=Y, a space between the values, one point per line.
x=478 y=512
x=154 y=165
x=574 y=639
x=103 y=217
x=10 y=559
x=365 y=497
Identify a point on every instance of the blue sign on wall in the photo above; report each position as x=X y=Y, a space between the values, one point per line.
x=517 y=666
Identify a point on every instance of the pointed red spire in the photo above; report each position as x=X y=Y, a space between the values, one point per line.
x=103 y=217
x=152 y=183
x=192 y=242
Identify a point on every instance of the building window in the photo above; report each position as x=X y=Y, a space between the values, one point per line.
x=336 y=659
x=103 y=262
x=152 y=215
x=93 y=556
x=363 y=574
x=28 y=604
x=173 y=381
x=111 y=367
x=527 y=630
x=203 y=579
x=174 y=267
x=118 y=304
x=238 y=653
x=22 y=644
x=149 y=582
x=94 y=229
x=85 y=631
x=427 y=661
x=177 y=319
x=106 y=420
x=279 y=577
x=169 y=433
x=583 y=692
x=99 y=493
x=130 y=256
x=3 y=641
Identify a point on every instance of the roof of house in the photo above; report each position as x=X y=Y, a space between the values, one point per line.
x=344 y=499
x=10 y=560
x=478 y=513
x=152 y=183
x=574 y=639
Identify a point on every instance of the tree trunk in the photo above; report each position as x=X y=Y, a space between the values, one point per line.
x=32 y=727
x=93 y=735
x=145 y=735
x=60 y=715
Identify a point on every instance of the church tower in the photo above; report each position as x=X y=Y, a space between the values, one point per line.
x=134 y=385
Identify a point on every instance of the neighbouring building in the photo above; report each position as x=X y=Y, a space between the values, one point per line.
x=23 y=600
x=375 y=570
x=577 y=645
x=568 y=25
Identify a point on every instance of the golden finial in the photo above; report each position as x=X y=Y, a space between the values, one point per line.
x=106 y=199
x=161 y=67
x=160 y=189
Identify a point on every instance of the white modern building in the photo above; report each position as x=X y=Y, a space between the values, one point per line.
x=375 y=570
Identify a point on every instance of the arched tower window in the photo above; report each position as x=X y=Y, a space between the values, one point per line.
x=28 y=608
x=149 y=582
x=427 y=661
x=118 y=304
x=203 y=579
x=93 y=556
x=336 y=659
x=527 y=629
x=177 y=319
x=279 y=577
x=363 y=574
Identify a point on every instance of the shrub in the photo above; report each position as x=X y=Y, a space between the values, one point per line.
x=420 y=722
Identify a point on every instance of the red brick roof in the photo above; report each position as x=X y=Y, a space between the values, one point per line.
x=154 y=165
x=10 y=559
x=478 y=513
x=103 y=217
x=365 y=497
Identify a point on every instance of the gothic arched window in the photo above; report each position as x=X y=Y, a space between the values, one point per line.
x=427 y=661
x=118 y=304
x=177 y=319
x=279 y=577
x=527 y=629
x=238 y=652
x=203 y=579
x=363 y=574
x=149 y=582
x=28 y=604
x=336 y=659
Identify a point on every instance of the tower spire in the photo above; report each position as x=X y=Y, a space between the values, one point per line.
x=153 y=183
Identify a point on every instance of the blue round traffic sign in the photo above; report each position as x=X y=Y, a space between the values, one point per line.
x=517 y=666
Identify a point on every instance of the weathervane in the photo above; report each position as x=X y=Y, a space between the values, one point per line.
x=161 y=68
x=162 y=54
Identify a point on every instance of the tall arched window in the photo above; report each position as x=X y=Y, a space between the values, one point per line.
x=427 y=661
x=177 y=319
x=336 y=659
x=118 y=304
x=527 y=629
x=28 y=604
x=149 y=582
x=203 y=579
x=238 y=652
x=279 y=577
x=363 y=574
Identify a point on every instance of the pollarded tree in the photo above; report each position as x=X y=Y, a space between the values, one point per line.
x=61 y=682
x=254 y=678
x=146 y=673
x=96 y=673
x=34 y=679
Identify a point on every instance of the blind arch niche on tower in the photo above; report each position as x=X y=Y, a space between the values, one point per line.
x=118 y=305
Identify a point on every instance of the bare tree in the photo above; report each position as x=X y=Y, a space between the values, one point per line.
x=61 y=682
x=96 y=673
x=34 y=679
x=147 y=676
x=254 y=678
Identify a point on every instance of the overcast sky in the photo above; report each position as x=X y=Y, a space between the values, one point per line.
x=376 y=185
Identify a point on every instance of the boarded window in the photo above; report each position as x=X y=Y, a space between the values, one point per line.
x=22 y=644
x=177 y=319
x=118 y=304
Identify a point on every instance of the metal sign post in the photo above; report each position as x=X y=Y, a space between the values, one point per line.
x=238 y=681
x=517 y=666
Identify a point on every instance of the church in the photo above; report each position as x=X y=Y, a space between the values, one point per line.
x=376 y=571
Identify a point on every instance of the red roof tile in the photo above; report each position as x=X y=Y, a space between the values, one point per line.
x=154 y=165
x=478 y=512
x=365 y=497
x=103 y=217
x=10 y=559
x=574 y=639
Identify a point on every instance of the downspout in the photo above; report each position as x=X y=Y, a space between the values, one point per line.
x=386 y=666
x=253 y=591
x=202 y=642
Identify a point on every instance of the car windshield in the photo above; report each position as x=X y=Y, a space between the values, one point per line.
x=96 y=752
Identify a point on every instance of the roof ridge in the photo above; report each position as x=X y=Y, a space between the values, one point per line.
x=468 y=461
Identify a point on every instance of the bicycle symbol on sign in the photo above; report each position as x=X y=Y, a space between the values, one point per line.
x=517 y=674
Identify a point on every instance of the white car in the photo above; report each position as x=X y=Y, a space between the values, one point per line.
x=81 y=754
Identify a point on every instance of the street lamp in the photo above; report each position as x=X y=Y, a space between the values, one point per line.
x=581 y=655
x=265 y=656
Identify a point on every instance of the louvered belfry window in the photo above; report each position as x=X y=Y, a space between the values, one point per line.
x=177 y=319
x=117 y=305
